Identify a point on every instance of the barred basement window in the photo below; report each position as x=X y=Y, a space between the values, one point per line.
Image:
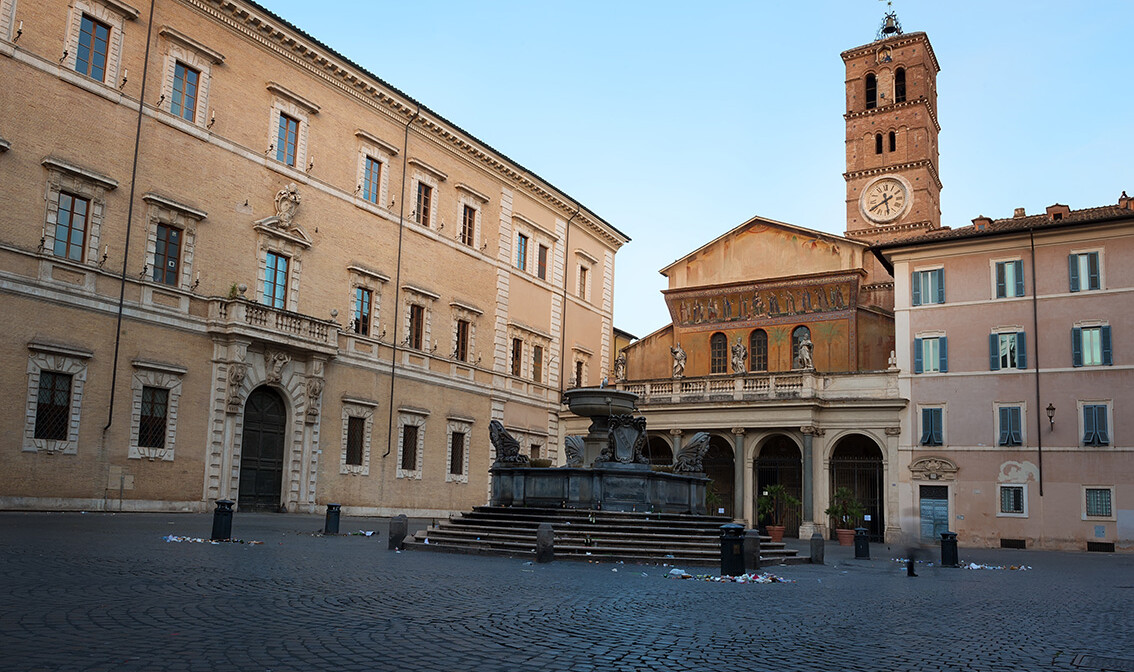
x=1012 y=499
x=155 y=410
x=1098 y=502
x=409 y=447
x=356 y=438
x=457 y=453
x=53 y=406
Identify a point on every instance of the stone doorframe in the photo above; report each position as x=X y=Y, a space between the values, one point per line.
x=239 y=367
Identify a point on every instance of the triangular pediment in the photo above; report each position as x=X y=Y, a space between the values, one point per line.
x=274 y=226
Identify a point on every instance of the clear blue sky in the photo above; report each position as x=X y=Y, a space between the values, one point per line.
x=676 y=122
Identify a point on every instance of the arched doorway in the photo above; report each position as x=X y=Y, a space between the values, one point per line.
x=262 y=451
x=718 y=466
x=780 y=463
x=658 y=451
x=856 y=463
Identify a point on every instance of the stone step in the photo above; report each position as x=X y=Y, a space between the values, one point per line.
x=629 y=556
x=598 y=537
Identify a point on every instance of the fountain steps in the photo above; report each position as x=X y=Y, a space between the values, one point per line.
x=607 y=536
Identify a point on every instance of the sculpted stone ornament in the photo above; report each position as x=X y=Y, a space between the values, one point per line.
x=678 y=360
x=627 y=440
x=573 y=445
x=274 y=362
x=739 y=357
x=620 y=367
x=506 y=445
x=314 y=390
x=287 y=204
x=805 y=354
x=689 y=458
x=236 y=373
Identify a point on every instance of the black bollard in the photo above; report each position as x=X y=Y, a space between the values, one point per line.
x=949 y=550
x=752 y=550
x=222 y=520
x=818 y=546
x=732 y=549
x=545 y=543
x=861 y=544
x=331 y=525
x=399 y=528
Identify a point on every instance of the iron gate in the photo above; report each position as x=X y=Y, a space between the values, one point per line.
x=863 y=476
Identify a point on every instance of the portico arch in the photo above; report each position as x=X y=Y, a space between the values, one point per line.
x=857 y=463
x=720 y=468
x=779 y=462
x=658 y=450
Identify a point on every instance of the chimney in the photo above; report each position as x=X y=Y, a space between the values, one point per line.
x=1018 y=213
x=981 y=223
x=1058 y=211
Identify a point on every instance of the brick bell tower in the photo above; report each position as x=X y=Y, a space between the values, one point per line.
x=893 y=188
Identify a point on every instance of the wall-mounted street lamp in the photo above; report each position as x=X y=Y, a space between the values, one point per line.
x=1051 y=415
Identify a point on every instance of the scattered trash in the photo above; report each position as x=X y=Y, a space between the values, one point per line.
x=529 y=562
x=363 y=533
x=426 y=541
x=1015 y=568
x=742 y=578
x=644 y=574
x=615 y=569
x=173 y=538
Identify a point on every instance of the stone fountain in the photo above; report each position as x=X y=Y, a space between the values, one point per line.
x=606 y=469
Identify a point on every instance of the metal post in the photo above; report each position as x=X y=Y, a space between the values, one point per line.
x=399 y=528
x=818 y=546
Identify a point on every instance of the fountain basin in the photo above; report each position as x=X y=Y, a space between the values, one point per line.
x=609 y=489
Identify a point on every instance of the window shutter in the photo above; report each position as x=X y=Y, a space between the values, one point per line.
x=1073 y=268
x=1021 y=350
x=1093 y=271
x=994 y=352
x=915 y=289
x=1088 y=425
x=1106 y=358
x=1001 y=288
x=1076 y=346
x=937 y=413
x=926 y=426
x=943 y=344
x=1005 y=426
x=1014 y=421
x=917 y=355
x=1100 y=425
x=1019 y=277
x=940 y=273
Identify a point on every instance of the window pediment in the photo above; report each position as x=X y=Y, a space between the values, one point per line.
x=376 y=141
x=293 y=97
x=429 y=169
x=184 y=40
x=170 y=204
x=59 y=165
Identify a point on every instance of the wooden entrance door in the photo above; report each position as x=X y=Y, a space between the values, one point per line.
x=934 y=511
x=262 y=451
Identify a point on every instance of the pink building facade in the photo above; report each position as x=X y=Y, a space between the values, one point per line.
x=1015 y=340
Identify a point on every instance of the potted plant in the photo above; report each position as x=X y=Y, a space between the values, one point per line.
x=847 y=512
x=775 y=504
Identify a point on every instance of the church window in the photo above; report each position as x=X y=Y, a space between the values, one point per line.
x=893 y=141
x=718 y=353
x=877 y=143
x=797 y=336
x=758 y=346
x=900 y=85
x=871 y=92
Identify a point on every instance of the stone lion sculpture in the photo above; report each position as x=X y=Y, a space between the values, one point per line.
x=507 y=447
x=689 y=457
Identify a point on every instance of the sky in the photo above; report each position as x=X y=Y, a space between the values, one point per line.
x=678 y=121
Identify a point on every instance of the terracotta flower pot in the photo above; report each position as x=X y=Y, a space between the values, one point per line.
x=846 y=537
x=776 y=532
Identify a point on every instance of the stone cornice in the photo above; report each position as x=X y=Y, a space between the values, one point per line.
x=897 y=106
x=294 y=97
x=89 y=175
x=170 y=204
x=184 y=40
x=376 y=141
x=869 y=172
x=893 y=42
x=247 y=20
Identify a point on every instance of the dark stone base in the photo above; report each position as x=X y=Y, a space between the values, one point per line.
x=608 y=488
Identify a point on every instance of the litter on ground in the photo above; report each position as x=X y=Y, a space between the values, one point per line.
x=173 y=538
x=676 y=573
x=1017 y=568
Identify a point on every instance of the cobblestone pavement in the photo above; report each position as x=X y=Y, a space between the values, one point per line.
x=102 y=591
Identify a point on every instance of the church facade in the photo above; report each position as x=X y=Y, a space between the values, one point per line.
x=256 y=271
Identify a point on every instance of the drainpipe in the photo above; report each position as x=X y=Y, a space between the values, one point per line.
x=563 y=318
x=129 y=223
x=398 y=285
x=1035 y=330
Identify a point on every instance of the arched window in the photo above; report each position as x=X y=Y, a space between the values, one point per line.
x=893 y=141
x=877 y=143
x=797 y=337
x=871 y=92
x=758 y=350
x=718 y=353
x=900 y=85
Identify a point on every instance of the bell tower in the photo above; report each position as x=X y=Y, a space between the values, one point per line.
x=893 y=188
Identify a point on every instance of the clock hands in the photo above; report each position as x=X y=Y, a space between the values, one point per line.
x=885 y=201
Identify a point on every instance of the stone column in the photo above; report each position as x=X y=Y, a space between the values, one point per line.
x=807 y=525
x=738 y=491
x=893 y=532
x=676 y=434
x=749 y=491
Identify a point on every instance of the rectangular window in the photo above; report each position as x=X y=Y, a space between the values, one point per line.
x=1010 y=420
x=928 y=287
x=286 y=140
x=932 y=427
x=424 y=203
x=356 y=439
x=1090 y=346
x=457 y=453
x=1098 y=502
x=1084 y=271
x=468 y=225
x=94 y=40
x=583 y=282
x=71 y=226
x=409 y=447
x=541 y=262
x=167 y=255
x=53 y=406
x=184 y=102
x=537 y=363
x=1012 y=499
x=362 y=301
x=371 y=180
x=1007 y=351
x=1009 y=279
x=461 y=352
x=578 y=374
x=275 y=281
x=517 y=356
x=151 y=428
x=1095 y=425
x=416 y=326
x=521 y=252
x=931 y=355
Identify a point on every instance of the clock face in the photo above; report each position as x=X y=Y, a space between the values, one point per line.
x=885 y=200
